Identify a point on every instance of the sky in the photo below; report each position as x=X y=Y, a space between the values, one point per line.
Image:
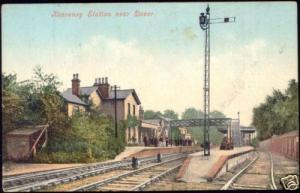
x=160 y=55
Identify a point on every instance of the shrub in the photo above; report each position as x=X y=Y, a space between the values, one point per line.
x=90 y=138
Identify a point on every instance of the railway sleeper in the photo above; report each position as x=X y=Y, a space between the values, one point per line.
x=128 y=182
x=252 y=186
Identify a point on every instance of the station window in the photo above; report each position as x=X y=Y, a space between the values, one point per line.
x=128 y=108
x=75 y=108
x=133 y=110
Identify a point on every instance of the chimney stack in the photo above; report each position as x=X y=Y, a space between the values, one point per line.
x=103 y=86
x=75 y=85
x=141 y=113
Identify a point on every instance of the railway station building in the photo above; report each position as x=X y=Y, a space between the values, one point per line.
x=102 y=97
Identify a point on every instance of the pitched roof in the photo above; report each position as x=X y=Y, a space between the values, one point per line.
x=123 y=94
x=152 y=121
x=84 y=90
x=164 y=118
x=27 y=130
x=87 y=90
x=67 y=95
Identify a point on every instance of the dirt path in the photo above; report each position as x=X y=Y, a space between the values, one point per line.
x=10 y=168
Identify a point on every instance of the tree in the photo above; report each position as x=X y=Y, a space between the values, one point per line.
x=150 y=114
x=279 y=113
x=170 y=114
x=292 y=105
x=12 y=102
x=192 y=113
x=52 y=104
x=216 y=114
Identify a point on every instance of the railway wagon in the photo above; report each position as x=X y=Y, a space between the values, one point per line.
x=286 y=145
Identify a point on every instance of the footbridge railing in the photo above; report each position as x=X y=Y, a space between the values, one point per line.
x=199 y=122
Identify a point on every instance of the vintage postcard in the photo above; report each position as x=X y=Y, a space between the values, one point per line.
x=150 y=96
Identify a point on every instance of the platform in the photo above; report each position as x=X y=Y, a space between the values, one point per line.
x=153 y=151
x=197 y=166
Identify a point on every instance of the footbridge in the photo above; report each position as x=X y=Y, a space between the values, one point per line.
x=199 y=122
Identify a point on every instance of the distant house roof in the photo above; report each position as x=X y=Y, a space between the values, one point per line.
x=123 y=94
x=87 y=90
x=152 y=121
x=84 y=90
x=164 y=118
x=27 y=130
x=68 y=96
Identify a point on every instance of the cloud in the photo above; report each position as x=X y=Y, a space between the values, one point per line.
x=241 y=77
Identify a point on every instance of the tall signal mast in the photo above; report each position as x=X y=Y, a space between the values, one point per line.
x=205 y=21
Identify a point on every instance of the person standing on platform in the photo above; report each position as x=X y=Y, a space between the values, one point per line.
x=160 y=141
x=156 y=142
x=145 y=141
x=151 y=141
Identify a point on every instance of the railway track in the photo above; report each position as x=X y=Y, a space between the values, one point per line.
x=39 y=180
x=136 y=179
x=256 y=175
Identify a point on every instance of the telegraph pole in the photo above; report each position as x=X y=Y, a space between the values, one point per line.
x=115 y=101
x=205 y=21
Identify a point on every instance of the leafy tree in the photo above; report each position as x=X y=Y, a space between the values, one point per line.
x=12 y=107
x=150 y=114
x=12 y=102
x=279 y=113
x=216 y=114
x=170 y=114
x=292 y=106
x=192 y=113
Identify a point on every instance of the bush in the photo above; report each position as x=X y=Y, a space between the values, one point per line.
x=255 y=143
x=90 y=138
x=62 y=157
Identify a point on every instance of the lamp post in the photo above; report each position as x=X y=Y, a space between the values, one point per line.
x=204 y=24
x=115 y=103
x=205 y=21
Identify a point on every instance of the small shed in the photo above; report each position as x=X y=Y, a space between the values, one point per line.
x=25 y=142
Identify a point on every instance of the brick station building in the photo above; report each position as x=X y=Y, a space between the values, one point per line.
x=102 y=96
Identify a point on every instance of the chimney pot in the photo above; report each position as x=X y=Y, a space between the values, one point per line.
x=75 y=85
x=104 y=87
